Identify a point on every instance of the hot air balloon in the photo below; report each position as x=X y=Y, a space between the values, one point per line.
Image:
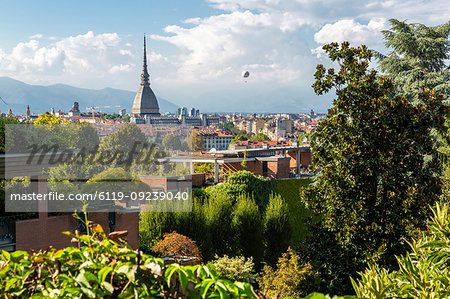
x=245 y=75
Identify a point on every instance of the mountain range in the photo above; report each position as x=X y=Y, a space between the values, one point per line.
x=18 y=95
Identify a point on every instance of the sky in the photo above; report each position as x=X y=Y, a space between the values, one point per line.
x=197 y=50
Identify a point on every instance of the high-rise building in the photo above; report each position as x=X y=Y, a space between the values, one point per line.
x=145 y=102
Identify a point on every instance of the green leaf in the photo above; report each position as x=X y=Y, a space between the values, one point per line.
x=103 y=273
x=108 y=287
x=183 y=279
x=206 y=284
x=82 y=280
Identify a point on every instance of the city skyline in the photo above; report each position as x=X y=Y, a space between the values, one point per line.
x=197 y=51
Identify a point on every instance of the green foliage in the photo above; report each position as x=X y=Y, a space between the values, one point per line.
x=260 y=137
x=227 y=125
x=105 y=268
x=172 y=142
x=176 y=244
x=418 y=58
x=4 y=120
x=422 y=273
x=238 y=138
x=203 y=168
x=246 y=183
x=247 y=229
x=288 y=280
x=277 y=229
x=289 y=190
x=375 y=184
x=195 y=141
x=236 y=268
x=230 y=209
x=217 y=212
x=124 y=139
x=86 y=137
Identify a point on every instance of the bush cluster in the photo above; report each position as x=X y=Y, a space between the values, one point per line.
x=235 y=218
x=236 y=268
x=107 y=268
x=289 y=279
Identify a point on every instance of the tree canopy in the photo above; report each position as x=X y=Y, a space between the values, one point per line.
x=418 y=58
x=261 y=137
x=375 y=184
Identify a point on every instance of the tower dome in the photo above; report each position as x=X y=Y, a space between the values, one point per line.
x=145 y=102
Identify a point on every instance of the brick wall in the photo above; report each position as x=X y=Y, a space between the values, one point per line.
x=45 y=231
x=253 y=166
x=305 y=158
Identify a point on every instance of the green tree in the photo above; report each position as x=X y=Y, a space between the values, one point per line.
x=124 y=139
x=172 y=142
x=246 y=183
x=375 y=185
x=217 y=213
x=277 y=230
x=247 y=229
x=86 y=137
x=4 y=120
x=195 y=141
x=124 y=147
x=238 y=138
x=260 y=136
x=418 y=58
x=227 y=125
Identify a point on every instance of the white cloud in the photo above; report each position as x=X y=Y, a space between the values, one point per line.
x=36 y=36
x=86 y=60
x=219 y=47
x=277 y=41
x=349 y=30
x=121 y=68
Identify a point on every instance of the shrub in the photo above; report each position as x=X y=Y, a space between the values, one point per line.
x=234 y=268
x=176 y=244
x=247 y=229
x=246 y=183
x=218 y=216
x=423 y=273
x=153 y=226
x=287 y=279
x=277 y=229
x=107 y=268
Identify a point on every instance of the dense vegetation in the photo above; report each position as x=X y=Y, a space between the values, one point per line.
x=379 y=167
x=106 y=267
x=243 y=207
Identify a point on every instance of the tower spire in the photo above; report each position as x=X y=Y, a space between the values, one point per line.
x=145 y=76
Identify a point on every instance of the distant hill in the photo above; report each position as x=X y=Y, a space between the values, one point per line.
x=61 y=97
